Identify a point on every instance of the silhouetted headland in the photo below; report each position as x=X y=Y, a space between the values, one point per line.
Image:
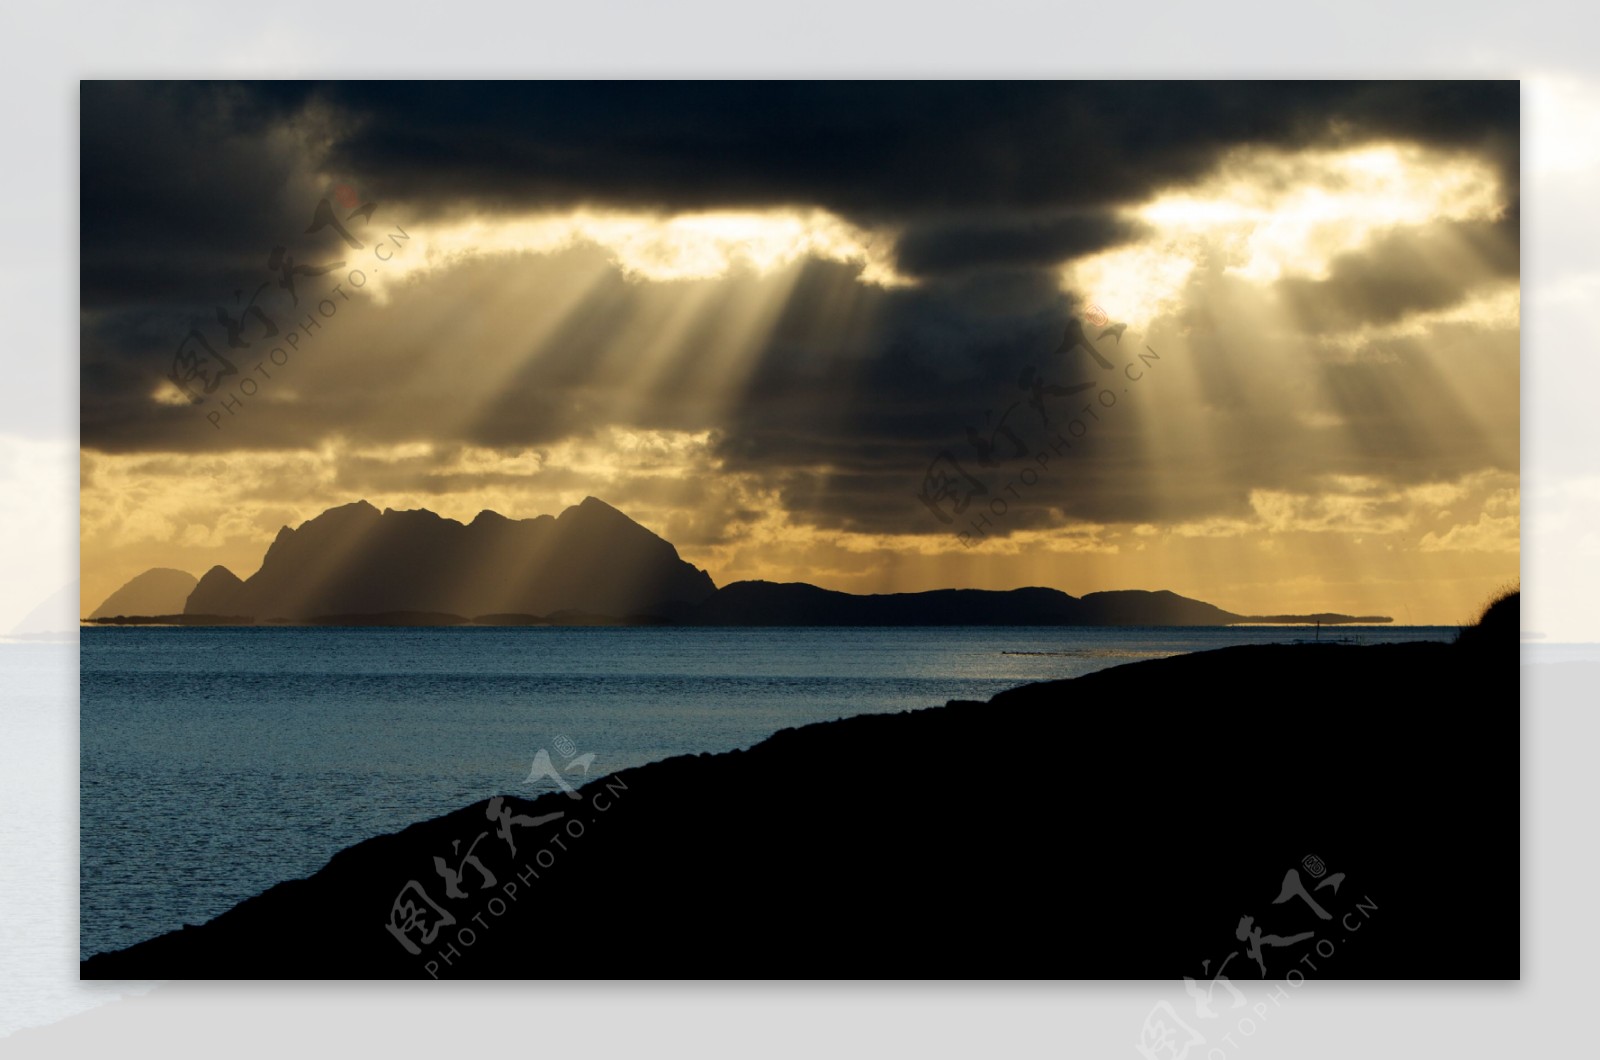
x=1116 y=825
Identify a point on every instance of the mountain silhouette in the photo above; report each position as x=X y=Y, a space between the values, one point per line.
x=158 y=591
x=356 y=560
x=591 y=565
x=217 y=591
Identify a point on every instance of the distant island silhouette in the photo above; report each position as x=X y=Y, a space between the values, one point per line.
x=1115 y=825
x=591 y=565
x=159 y=591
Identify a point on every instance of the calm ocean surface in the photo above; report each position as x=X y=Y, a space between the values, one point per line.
x=217 y=762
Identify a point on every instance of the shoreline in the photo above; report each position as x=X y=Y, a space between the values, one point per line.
x=698 y=835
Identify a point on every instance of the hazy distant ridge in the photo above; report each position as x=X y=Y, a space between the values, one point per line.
x=760 y=603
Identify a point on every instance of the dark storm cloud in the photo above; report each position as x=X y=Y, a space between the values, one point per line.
x=942 y=363
x=187 y=188
x=933 y=249
x=180 y=181
x=181 y=191
x=868 y=150
x=1400 y=273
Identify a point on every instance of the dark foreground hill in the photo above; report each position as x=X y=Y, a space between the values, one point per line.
x=1119 y=825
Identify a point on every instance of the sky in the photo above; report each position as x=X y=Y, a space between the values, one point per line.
x=814 y=331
